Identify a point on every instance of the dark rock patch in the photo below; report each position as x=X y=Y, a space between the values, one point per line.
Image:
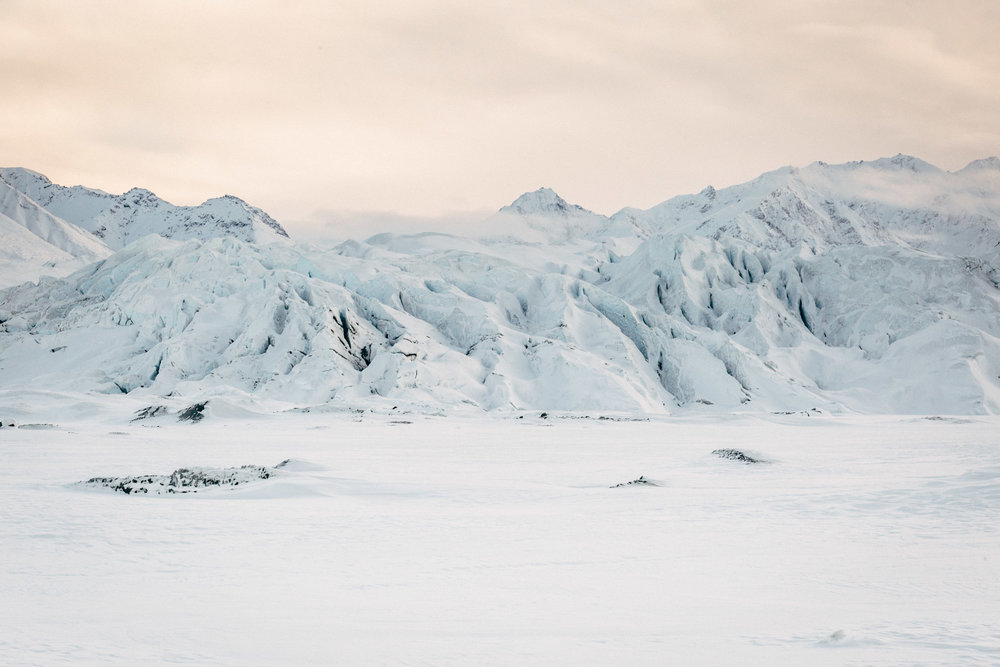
x=149 y=412
x=182 y=480
x=736 y=455
x=193 y=413
x=641 y=481
x=949 y=420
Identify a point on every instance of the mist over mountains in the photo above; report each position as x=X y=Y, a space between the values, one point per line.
x=871 y=287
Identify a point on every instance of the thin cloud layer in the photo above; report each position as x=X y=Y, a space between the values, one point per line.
x=424 y=107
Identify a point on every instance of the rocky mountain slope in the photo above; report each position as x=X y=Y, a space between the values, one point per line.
x=120 y=219
x=33 y=242
x=870 y=287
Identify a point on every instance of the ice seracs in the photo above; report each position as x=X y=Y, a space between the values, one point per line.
x=870 y=286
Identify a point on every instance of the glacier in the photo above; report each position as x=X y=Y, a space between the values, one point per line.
x=868 y=287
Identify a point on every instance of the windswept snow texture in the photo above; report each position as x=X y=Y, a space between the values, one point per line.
x=489 y=541
x=870 y=287
x=120 y=219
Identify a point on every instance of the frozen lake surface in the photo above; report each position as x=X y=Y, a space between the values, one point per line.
x=431 y=540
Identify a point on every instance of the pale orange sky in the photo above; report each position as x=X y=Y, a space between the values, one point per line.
x=337 y=110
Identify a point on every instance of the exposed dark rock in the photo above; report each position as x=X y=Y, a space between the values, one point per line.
x=949 y=420
x=149 y=411
x=193 y=413
x=736 y=455
x=183 y=480
x=641 y=481
x=808 y=413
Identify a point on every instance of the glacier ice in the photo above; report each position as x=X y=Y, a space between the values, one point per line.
x=870 y=287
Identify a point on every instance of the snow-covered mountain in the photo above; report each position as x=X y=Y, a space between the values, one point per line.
x=33 y=242
x=544 y=201
x=870 y=287
x=120 y=219
x=899 y=201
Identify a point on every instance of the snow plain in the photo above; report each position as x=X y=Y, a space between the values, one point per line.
x=496 y=540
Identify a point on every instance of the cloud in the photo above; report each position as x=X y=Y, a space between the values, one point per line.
x=360 y=225
x=430 y=106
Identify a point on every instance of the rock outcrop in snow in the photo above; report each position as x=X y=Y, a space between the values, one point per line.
x=871 y=287
x=182 y=480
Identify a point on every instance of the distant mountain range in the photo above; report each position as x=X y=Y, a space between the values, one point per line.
x=868 y=286
x=113 y=221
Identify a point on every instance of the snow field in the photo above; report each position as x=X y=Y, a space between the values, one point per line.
x=498 y=541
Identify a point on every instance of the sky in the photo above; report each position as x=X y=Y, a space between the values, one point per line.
x=398 y=114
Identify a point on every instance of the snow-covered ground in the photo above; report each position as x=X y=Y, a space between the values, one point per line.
x=484 y=540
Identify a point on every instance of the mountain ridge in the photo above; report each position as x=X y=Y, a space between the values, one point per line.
x=36 y=243
x=120 y=219
x=867 y=287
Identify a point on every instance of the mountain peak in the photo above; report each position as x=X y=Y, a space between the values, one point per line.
x=991 y=163
x=11 y=174
x=121 y=219
x=141 y=196
x=900 y=162
x=26 y=181
x=242 y=208
x=543 y=201
x=897 y=163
